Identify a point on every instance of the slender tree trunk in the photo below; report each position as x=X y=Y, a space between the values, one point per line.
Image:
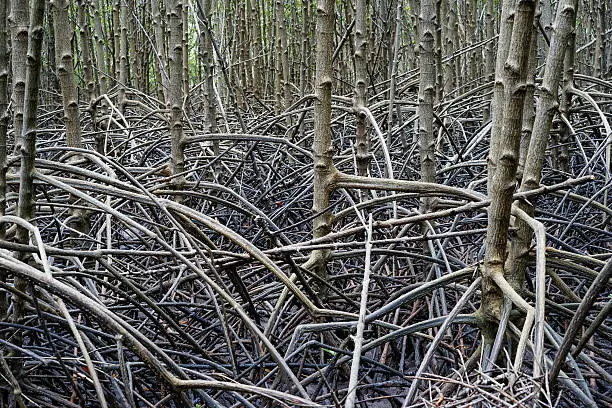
x=588 y=21
x=388 y=25
x=185 y=59
x=204 y=9
x=281 y=78
x=598 y=12
x=563 y=162
x=470 y=56
x=88 y=68
x=305 y=47
x=133 y=35
x=4 y=119
x=362 y=139
x=342 y=62
x=450 y=40
x=497 y=104
x=65 y=72
x=439 y=46
x=324 y=170
x=242 y=52
x=489 y=53
x=116 y=33
x=210 y=111
x=286 y=72
x=529 y=104
x=18 y=22
x=255 y=22
x=607 y=41
x=175 y=95
x=411 y=55
x=99 y=47
x=394 y=69
x=514 y=78
x=112 y=48
x=415 y=7
x=304 y=56
x=124 y=75
x=26 y=200
x=427 y=86
x=161 y=74
x=545 y=111
x=51 y=72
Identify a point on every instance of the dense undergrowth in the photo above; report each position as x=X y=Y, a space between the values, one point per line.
x=171 y=297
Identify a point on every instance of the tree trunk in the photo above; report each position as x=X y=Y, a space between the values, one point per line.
x=450 y=41
x=4 y=119
x=599 y=18
x=255 y=22
x=175 y=95
x=26 y=200
x=88 y=68
x=489 y=53
x=362 y=139
x=440 y=13
x=529 y=103
x=100 y=48
x=185 y=59
x=210 y=111
x=394 y=69
x=324 y=170
x=427 y=85
x=497 y=104
x=65 y=72
x=563 y=156
x=124 y=75
x=502 y=188
x=116 y=34
x=304 y=49
x=134 y=45
x=18 y=22
x=161 y=73
x=546 y=108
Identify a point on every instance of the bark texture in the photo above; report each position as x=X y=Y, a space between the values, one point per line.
x=175 y=94
x=362 y=140
x=324 y=170
x=545 y=110
x=19 y=23
x=497 y=104
x=65 y=72
x=4 y=119
x=26 y=202
x=160 y=49
x=503 y=182
x=427 y=85
x=99 y=48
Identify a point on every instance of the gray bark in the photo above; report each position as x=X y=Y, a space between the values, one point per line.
x=324 y=170
x=497 y=104
x=503 y=182
x=362 y=139
x=18 y=23
x=65 y=72
x=546 y=108
x=175 y=93
x=160 y=47
x=4 y=119
x=427 y=85
x=26 y=203
x=99 y=47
